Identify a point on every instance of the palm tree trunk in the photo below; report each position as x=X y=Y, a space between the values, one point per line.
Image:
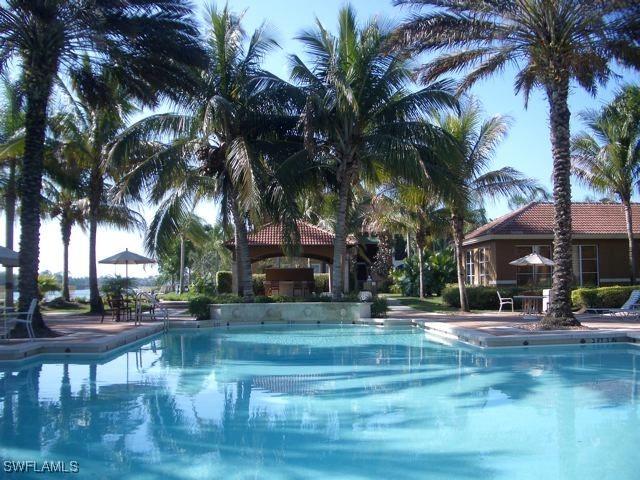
x=245 y=285
x=457 y=223
x=181 y=286
x=37 y=95
x=340 y=240
x=632 y=248
x=95 y=198
x=420 y=271
x=559 y=116
x=65 y=228
x=10 y=216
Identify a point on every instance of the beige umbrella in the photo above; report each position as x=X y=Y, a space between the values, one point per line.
x=127 y=258
x=8 y=257
x=532 y=259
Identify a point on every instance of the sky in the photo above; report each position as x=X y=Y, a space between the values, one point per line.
x=527 y=147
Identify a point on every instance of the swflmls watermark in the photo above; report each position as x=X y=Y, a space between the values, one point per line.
x=46 y=466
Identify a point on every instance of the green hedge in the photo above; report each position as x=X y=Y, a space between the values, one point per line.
x=321 y=282
x=483 y=298
x=258 y=283
x=224 y=282
x=602 y=297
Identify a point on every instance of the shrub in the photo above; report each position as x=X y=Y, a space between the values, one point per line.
x=321 y=282
x=47 y=283
x=379 y=307
x=116 y=286
x=226 y=298
x=258 y=283
x=224 y=282
x=438 y=268
x=199 y=306
x=203 y=286
x=602 y=297
x=483 y=298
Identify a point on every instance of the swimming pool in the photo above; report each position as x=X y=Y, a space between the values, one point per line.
x=328 y=402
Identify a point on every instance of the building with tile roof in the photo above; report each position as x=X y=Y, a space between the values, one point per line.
x=316 y=245
x=600 y=245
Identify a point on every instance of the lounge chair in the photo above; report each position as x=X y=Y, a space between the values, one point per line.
x=504 y=301
x=630 y=308
x=13 y=318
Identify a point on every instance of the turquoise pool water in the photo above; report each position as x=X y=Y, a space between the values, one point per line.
x=328 y=402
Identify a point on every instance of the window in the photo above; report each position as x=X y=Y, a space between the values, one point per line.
x=585 y=265
x=483 y=266
x=533 y=275
x=470 y=270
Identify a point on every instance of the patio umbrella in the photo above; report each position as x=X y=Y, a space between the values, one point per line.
x=8 y=257
x=532 y=259
x=127 y=258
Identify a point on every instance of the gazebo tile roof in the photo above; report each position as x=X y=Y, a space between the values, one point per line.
x=271 y=234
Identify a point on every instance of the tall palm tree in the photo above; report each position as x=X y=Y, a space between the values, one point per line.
x=607 y=156
x=147 y=44
x=361 y=118
x=12 y=140
x=551 y=42
x=70 y=210
x=99 y=109
x=224 y=143
x=162 y=233
x=407 y=209
x=477 y=139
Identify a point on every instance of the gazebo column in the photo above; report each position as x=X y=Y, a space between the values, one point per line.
x=329 y=270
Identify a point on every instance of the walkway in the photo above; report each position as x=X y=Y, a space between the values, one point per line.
x=509 y=329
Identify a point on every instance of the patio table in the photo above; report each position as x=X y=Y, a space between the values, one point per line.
x=531 y=304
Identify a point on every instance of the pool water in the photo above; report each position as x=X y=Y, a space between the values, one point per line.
x=328 y=402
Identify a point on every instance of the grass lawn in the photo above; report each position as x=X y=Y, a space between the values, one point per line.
x=429 y=304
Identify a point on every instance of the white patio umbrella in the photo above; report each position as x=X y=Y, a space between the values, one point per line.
x=532 y=259
x=127 y=258
x=9 y=258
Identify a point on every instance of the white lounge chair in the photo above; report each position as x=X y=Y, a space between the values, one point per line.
x=13 y=318
x=630 y=308
x=504 y=301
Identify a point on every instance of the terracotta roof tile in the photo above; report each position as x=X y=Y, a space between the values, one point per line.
x=271 y=234
x=537 y=219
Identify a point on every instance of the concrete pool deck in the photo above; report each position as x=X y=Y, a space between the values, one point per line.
x=507 y=329
x=86 y=336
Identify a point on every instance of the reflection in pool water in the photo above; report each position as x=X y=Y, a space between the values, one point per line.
x=342 y=402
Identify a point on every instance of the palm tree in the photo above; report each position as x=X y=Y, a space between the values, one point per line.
x=551 y=42
x=146 y=43
x=162 y=233
x=607 y=157
x=12 y=139
x=98 y=113
x=407 y=209
x=477 y=139
x=361 y=120
x=64 y=204
x=225 y=145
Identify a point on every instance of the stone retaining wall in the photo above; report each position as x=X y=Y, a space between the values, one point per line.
x=291 y=312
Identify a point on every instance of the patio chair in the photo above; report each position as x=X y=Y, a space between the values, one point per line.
x=630 y=308
x=504 y=301
x=15 y=317
x=157 y=312
x=274 y=288
x=117 y=307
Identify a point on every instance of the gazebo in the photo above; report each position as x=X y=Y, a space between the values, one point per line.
x=315 y=243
